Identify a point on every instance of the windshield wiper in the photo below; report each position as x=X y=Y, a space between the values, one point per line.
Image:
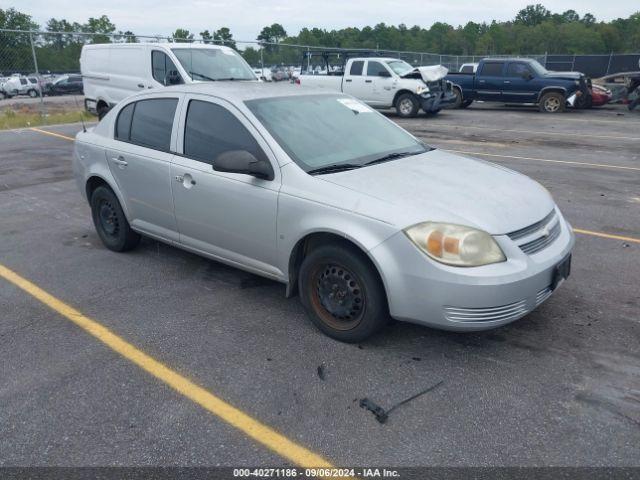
x=392 y=156
x=337 y=167
x=202 y=76
x=233 y=79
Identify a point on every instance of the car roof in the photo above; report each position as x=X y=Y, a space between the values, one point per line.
x=508 y=59
x=241 y=91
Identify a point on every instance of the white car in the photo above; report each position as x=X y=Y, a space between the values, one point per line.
x=112 y=72
x=19 y=85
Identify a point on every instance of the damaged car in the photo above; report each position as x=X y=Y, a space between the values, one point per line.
x=385 y=83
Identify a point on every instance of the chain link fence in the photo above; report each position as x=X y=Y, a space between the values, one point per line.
x=31 y=62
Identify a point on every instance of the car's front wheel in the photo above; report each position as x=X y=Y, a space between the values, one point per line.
x=32 y=93
x=552 y=102
x=342 y=293
x=407 y=105
x=110 y=222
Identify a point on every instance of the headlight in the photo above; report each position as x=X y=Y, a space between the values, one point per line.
x=455 y=244
x=422 y=89
x=577 y=82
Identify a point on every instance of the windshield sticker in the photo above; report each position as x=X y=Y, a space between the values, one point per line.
x=355 y=105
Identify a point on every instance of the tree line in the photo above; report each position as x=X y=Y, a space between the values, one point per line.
x=534 y=30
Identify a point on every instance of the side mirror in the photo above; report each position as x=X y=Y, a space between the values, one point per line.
x=241 y=161
x=384 y=73
x=172 y=78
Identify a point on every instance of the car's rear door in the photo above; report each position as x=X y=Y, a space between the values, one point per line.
x=140 y=160
x=519 y=84
x=353 y=79
x=229 y=216
x=490 y=81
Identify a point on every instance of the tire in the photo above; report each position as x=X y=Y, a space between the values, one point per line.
x=110 y=223
x=459 y=100
x=342 y=293
x=407 y=105
x=32 y=93
x=432 y=113
x=584 y=102
x=552 y=102
x=466 y=103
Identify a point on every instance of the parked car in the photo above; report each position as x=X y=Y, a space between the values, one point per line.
x=620 y=84
x=357 y=216
x=113 y=71
x=519 y=80
x=66 y=84
x=279 y=74
x=20 y=85
x=389 y=83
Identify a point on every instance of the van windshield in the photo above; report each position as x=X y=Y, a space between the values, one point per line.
x=209 y=64
x=321 y=131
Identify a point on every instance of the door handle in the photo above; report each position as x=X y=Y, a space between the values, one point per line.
x=348 y=80
x=507 y=81
x=179 y=178
x=368 y=81
x=140 y=85
x=120 y=161
x=186 y=179
x=481 y=81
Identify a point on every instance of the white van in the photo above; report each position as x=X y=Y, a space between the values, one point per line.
x=113 y=71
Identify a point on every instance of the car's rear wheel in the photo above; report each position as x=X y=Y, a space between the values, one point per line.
x=407 y=105
x=32 y=93
x=342 y=293
x=552 y=102
x=110 y=222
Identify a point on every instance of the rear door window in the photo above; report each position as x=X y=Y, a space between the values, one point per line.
x=211 y=129
x=356 y=68
x=492 y=69
x=152 y=123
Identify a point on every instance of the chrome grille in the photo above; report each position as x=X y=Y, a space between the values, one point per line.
x=491 y=314
x=542 y=242
x=538 y=236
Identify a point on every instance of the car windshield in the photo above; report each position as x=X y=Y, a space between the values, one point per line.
x=320 y=131
x=539 y=69
x=213 y=64
x=399 y=66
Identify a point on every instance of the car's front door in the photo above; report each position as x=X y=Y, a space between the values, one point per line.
x=139 y=159
x=519 y=84
x=379 y=84
x=229 y=216
x=490 y=81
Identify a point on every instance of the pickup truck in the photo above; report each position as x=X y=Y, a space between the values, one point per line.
x=519 y=80
x=387 y=83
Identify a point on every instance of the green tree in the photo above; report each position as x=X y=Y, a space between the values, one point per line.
x=224 y=36
x=182 y=35
x=533 y=15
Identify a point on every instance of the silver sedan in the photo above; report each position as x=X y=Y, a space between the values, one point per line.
x=318 y=191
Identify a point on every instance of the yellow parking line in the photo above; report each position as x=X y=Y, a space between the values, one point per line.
x=584 y=164
x=253 y=428
x=53 y=134
x=606 y=235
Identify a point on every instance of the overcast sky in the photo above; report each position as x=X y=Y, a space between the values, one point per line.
x=246 y=18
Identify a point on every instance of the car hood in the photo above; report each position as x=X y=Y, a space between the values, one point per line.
x=564 y=75
x=428 y=74
x=440 y=186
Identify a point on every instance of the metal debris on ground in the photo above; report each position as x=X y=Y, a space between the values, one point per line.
x=381 y=414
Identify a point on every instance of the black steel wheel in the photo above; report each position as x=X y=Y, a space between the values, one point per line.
x=110 y=222
x=342 y=293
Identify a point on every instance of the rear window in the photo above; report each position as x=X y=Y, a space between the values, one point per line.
x=466 y=69
x=492 y=69
x=152 y=123
x=356 y=68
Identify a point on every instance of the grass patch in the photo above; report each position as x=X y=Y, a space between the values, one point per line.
x=20 y=119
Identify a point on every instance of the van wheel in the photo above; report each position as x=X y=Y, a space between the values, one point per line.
x=32 y=93
x=111 y=224
x=342 y=293
x=407 y=105
x=552 y=102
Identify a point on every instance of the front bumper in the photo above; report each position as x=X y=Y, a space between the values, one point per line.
x=423 y=291
x=438 y=97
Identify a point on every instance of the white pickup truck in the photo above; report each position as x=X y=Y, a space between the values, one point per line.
x=389 y=83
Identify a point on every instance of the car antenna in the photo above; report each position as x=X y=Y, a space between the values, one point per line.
x=84 y=127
